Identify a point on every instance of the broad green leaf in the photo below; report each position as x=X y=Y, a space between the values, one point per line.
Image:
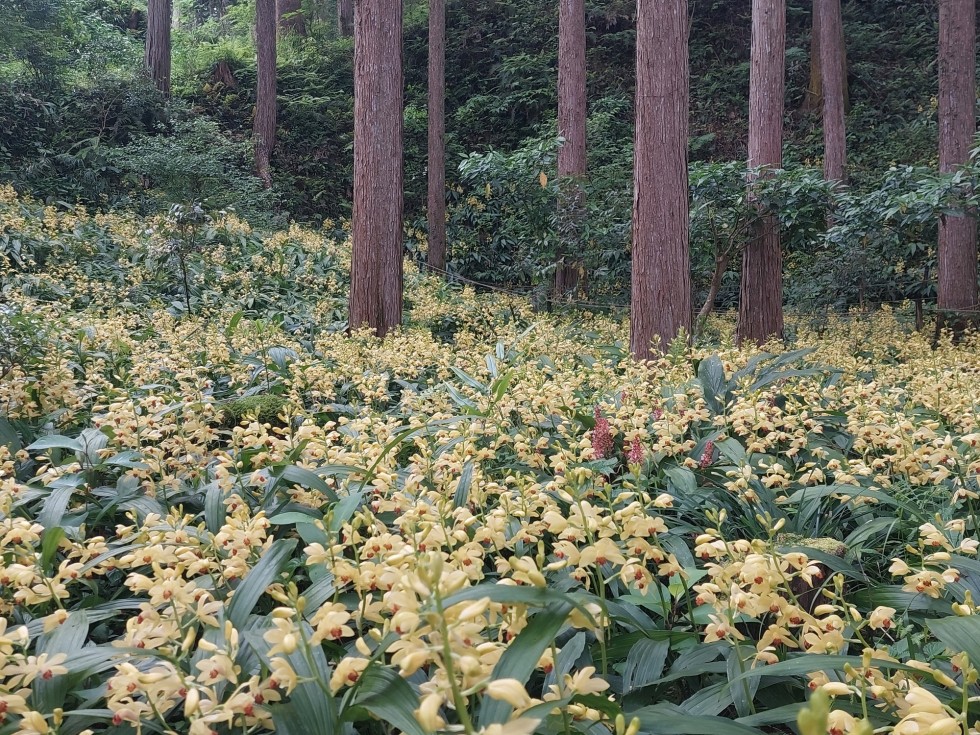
x=256 y=582
x=92 y=442
x=49 y=545
x=384 y=694
x=463 y=485
x=711 y=375
x=501 y=384
x=344 y=510
x=506 y=594
x=55 y=442
x=645 y=663
x=522 y=656
x=68 y=638
x=310 y=708
x=214 y=507
x=293 y=518
x=54 y=507
x=659 y=719
x=808 y=663
x=777 y=716
x=682 y=479
x=128 y=459
x=567 y=656
x=9 y=437
x=303 y=477
x=959 y=634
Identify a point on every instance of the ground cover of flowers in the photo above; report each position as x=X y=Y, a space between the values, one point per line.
x=240 y=520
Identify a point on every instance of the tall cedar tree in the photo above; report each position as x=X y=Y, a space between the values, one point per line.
x=264 y=124
x=572 y=106
x=156 y=56
x=345 y=18
x=831 y=28
x=437 y=135
x=957 y=126
x=661 y=303
x=813 y=99
x=760 y=311
x=376 y=263
x=291 y=18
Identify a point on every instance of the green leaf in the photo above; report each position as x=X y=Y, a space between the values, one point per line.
x=256 y=582
x=343 y=511
x=49 y=545
x=565 y=660
x=663 y=719
x=384 y=694
x=463 y=485
x=128 y=459
x=958 y=634
x=55 y=441
x=645 y=663
x=807 y=663
x=67 y=638
x=214 y=507
x=522 y=656
x=54 y=507
x=501 y=384
x=468 y=380
x=293 y=518
x=233 y=323
x=711 y=375
x=9 y=437
x=682 y=480
x=310 y=708
x=92 y=442
x=303 y=477
x=506 y=594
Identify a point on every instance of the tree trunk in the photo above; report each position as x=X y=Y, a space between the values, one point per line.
x=813 y=99
x=264 y=124
x=572 y=167
x=223 y=75
x=156 y=56
x=661 y=281
x=760 y=314
x=721 y=265
x=291 y=18
x=376 y=263
x=437 y=135
x=957 y=125
x=345 y=18
x=832 y=65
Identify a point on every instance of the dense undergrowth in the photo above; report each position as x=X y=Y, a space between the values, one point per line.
x=220 y=513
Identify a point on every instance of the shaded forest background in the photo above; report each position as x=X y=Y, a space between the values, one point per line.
x=82 y=124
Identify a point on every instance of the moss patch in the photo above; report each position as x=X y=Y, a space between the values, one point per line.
x=264 y=408
x=824 y=544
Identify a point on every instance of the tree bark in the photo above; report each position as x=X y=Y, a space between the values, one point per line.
x=376 y=262
x=345 y=18
x=813 y=99
x=661 y=280
x=572 y=166
x=291 y=18
x=957 y=126
x=264 y=124
x=721 y=265
x=760 y=314
x=156 y=56
x=832 y=65
x=437 y=135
